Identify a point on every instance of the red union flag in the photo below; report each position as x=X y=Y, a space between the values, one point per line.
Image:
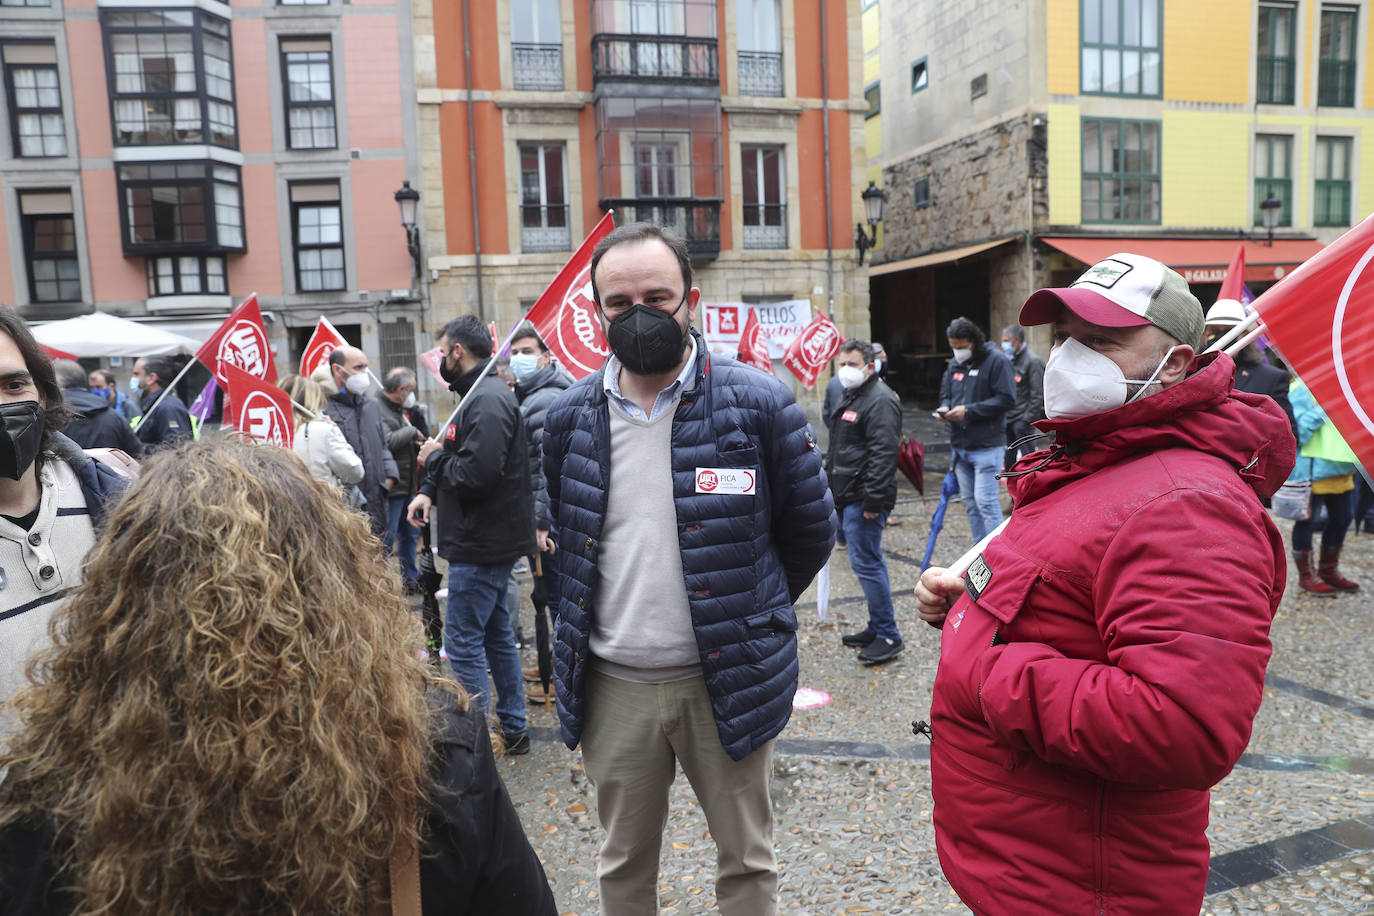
x=1318 y=317
x=431 y=360
x=565 y=315
x=1234 y=281
x=240 y=341
x=323 y=342
x=263 y=410
x=815 y=346
x=752 y=350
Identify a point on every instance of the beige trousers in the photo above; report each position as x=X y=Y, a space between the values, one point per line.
x=635 y=734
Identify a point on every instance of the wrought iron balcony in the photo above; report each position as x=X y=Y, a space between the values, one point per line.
x=544 y=228
x=1274 y=80
x=760 y=73
x=695 y=219
x=537 y=66
x=765 y=226
x=674 y=58
x=1336 y=83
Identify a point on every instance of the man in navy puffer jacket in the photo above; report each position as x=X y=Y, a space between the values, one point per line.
x=690 y=507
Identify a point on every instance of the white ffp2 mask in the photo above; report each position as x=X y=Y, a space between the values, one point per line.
x=1080 y=381
x=850 y=376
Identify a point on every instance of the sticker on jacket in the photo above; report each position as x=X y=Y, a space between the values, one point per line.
x=978 y=576
x=451 y=433
x=849 y=416
x=958 y=376
x=726 y=481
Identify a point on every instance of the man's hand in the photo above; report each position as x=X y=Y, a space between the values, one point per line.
x=870 y=515
x=956 y=413
x=936 y=592
x=418 y=511
x=541 y=535
x=427 y=448
x=390 y=482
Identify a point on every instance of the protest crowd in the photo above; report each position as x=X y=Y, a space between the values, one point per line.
x=278 y=663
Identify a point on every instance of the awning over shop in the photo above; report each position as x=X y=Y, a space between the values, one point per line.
x=938 y=257
x=1198 y=260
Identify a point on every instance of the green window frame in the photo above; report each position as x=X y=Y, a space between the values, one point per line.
x=920 y=75
x=1121 y=48
x=1336 y=58
x=873 y=95
x=1274 y=175
x=1121 y=171
x=1276 y=54
x=1331 y=192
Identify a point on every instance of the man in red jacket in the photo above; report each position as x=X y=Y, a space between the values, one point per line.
x=1103 y=659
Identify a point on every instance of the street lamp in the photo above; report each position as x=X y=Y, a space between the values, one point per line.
x=873 y=209
x=1270 y=209
x=408 y=200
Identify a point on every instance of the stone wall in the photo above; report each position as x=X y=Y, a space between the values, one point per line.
x=986 y=184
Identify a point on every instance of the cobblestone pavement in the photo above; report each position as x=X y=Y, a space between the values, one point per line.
x=1292 y=827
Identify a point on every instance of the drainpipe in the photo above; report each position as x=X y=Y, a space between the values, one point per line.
x=825 y=128
x=472 y=163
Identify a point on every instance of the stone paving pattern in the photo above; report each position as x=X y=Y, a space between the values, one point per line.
x=851 y=784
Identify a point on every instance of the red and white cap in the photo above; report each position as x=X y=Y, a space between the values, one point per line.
x=1124 y=290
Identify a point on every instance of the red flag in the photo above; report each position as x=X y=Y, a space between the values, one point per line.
x=323 y=342
x=264 y=410
x=431 y=359
x=815 y=346
x=241 y=341
x=1234 y=280
x=752 y=350
x=1318 y=317
x=54 y=353
x=565 y=314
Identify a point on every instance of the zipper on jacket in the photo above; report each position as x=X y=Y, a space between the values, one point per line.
x=1100 y=850
x=922 y=727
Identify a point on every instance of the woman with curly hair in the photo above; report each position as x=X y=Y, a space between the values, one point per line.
x=236 y=717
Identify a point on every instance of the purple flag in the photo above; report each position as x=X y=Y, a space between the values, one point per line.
x=205 y=404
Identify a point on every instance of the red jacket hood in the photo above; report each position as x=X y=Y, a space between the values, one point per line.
x=1203 y=412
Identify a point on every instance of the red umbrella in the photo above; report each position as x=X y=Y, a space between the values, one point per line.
x=911 y=461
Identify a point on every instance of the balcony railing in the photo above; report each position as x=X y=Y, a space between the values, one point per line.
x=1274 y=81
x=696 y=220
x=537 y=66
x=655 y=57
x=545 y=228
x=1336 y=83
x=765 y=226
x=760 y=73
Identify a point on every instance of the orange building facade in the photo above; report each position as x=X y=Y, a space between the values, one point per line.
x=708 y=116
x=165 y=159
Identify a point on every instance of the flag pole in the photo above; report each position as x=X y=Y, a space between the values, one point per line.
x=491 y=364
x=166 y=388
x=1225 y=340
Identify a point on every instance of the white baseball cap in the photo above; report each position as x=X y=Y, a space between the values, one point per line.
x=1226 y=312
x=1122 y=291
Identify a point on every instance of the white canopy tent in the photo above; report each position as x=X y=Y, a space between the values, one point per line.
x=102 y=335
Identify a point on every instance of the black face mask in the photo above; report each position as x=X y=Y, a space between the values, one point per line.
x=21 y=435
x=448 y=375
x=647 y=341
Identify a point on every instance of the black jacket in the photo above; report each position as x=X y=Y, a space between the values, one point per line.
x=360 y=419
x=535 y=394
x=96 y=424
x=167 y=426
x=865 y=428
x=985 y=387
x=1262 y=379
x=480 y=480
x=1028 y=372
x=476 y=858
x=400 y=439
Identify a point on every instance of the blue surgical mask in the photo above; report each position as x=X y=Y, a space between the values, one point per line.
x=133 y=384
x=1008 y=348
x=523 y=365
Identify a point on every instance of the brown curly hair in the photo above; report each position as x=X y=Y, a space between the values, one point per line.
x=234 y=716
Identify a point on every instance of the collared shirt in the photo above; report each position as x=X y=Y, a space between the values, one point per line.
x=611 y=383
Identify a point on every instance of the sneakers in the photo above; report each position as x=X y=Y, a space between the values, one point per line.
x=857 y=640
x=411 y=587
x=880 y=650
x=517 y=743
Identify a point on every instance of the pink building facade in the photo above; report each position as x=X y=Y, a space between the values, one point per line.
x=162 y=160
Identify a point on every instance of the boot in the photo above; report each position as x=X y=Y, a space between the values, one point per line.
x=1307 y=581
x=1330 y=574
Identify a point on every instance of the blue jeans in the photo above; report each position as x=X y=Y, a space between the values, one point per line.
x=477 y=635
x=398 y=530
x=977 y=470
x=865 y=539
